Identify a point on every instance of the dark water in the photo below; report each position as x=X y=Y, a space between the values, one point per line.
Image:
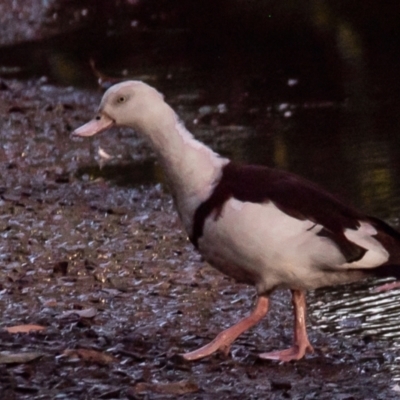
x=343 y=134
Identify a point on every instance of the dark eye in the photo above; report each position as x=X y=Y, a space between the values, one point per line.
x=121 y=99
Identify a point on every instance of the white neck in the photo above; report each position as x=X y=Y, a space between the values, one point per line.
x=192 y=168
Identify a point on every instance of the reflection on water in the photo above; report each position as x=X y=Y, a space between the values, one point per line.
x=358 y=310
x=123 y=174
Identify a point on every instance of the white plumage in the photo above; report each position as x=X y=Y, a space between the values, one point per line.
x=261 y=226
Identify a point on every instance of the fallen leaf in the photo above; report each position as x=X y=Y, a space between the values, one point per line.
x=16 y=109
x=24 y=370
x=50 y=303
x=176 y=388
x=104 y=155
x=111 y=291
x=18 y=358
x=85 y=313
x=396 y=387
x=60 y=267
x=24 y=328
x=89 y=355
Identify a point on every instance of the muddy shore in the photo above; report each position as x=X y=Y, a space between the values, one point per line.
x=103 y=264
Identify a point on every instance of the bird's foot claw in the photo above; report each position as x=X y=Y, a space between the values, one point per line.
x=293 y=353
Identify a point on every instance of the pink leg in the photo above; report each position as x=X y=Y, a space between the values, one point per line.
x=224 y=340
x=301 y=345
x=387 y=286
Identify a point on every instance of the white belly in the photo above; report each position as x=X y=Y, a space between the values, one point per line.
x=263 y=246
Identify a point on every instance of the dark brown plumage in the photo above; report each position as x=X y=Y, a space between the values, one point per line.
x=262 y=226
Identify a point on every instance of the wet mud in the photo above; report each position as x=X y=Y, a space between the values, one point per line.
x=97 y=256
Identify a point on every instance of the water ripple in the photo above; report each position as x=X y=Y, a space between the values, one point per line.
x=358 y=310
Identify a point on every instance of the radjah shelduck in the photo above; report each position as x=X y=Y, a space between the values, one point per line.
x=261 y=226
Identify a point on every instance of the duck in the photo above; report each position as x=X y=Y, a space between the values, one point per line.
x=261 y=226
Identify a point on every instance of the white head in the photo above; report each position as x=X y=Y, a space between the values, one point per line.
x=123 y=104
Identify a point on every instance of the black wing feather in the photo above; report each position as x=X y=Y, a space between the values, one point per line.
x=293 y=195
